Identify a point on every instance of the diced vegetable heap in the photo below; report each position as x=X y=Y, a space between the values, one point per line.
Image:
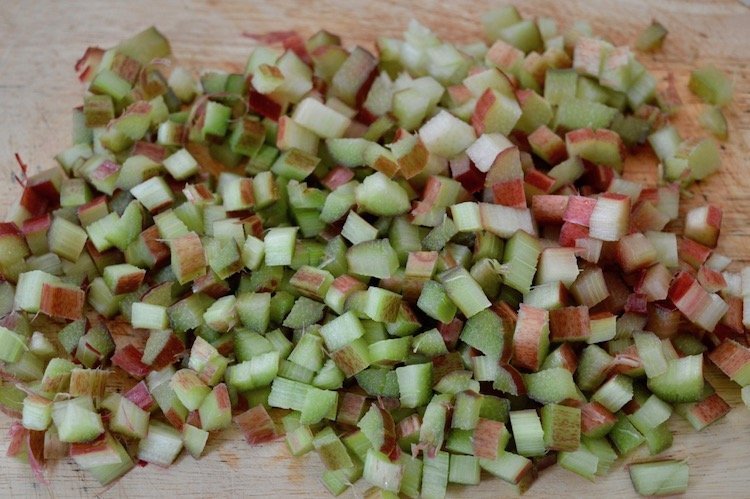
x=419 y=266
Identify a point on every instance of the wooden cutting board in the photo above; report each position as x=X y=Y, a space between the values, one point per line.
x=40 y=41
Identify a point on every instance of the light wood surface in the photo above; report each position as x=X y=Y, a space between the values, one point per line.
x=40 y=42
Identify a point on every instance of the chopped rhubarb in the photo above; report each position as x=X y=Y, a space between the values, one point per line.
x=395 y=249
x=257 y=425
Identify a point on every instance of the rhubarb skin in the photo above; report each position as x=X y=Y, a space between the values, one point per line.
x=442 y=365
x=355 y=76
x=691 y=252
x=507 y=166
x=36 y=225
x=128 y=359
x=579 y=210
x=415 y=161
x=158 y=250
x=85 y=66
x=487 y=437
x=33 y=203
x=488 y=110
x=645 y=216
x=509 y=193
x=187 y=253
x=257 y=425
x=10 y=231
x=634 y=252
x=264 y=105
x=597 y=177
x=504 y=55
x=531 y=331
x=507 y=314
x=731 y=324
x=337 y=176
x=537 y=182
x=451 y=331
x=548 y=145
x=549 y=208
x=459 y=94
x=154 y=152
x=570 y=232
x=130 y=282
x=696 y=303
x=141 y=396
x=708 y=410
x=17 y=436
x=703 y=224
x=98 y=445
x=569 y=324
x=351 y=408
x=173 y=348
x=568 y=357
x=636 y=304
x=681 y=285
x=588 y=144
x=711 y=280
x=663 y=319
x=654 y=283
x=62 y=303
x=733 y=359
x=596 y=420
x=627 y=362
x=463 y=170
x=515 y=379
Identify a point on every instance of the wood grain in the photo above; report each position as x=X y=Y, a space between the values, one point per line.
x=41 y=40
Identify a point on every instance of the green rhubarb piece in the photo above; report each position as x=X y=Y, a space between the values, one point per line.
x=659 y=478
x=711 y=84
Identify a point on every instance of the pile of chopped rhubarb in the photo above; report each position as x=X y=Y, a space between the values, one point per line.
x=423 y=265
